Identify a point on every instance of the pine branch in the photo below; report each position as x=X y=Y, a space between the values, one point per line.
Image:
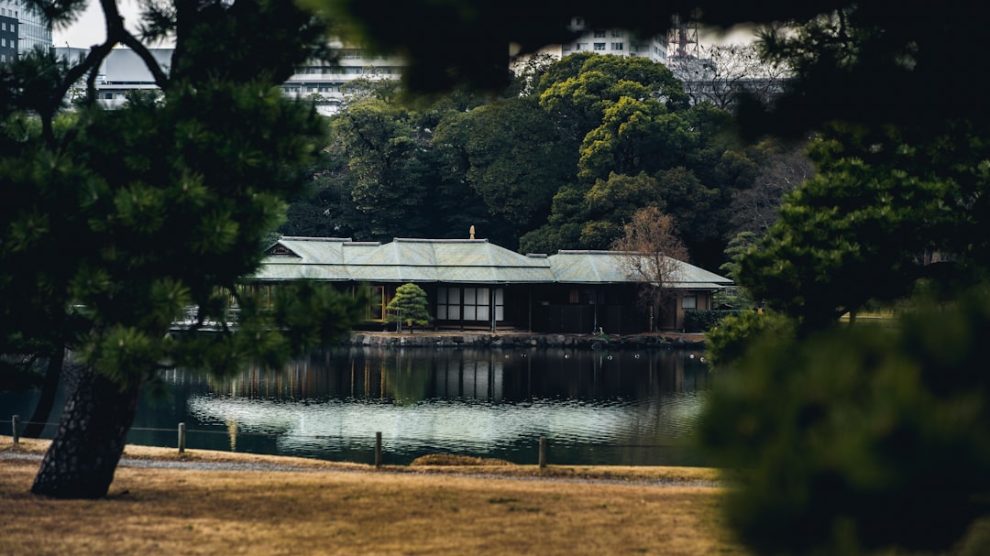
x=116 y=33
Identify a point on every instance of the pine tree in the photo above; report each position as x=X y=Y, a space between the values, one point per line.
x=125 y=234
x=409 y=306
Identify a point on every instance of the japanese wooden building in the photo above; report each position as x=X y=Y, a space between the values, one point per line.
x=472 y=283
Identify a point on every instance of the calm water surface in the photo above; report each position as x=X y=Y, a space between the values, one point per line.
x=625 y=407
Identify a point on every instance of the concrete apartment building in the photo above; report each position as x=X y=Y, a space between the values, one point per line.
x=326 y=83
x=8 y=36
x=614 y=41
x=31 y=29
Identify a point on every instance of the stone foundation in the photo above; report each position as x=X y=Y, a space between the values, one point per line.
x=522 y=340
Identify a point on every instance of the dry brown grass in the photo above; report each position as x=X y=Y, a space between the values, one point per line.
x=455 y=459
x=438 y=463
x=340 y=511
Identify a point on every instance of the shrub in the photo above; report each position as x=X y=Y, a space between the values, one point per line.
x=856 y=438
x=409 y=306
x=729 y=339
x=702 y=320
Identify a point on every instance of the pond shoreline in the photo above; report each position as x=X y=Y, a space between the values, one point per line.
x=513 y=339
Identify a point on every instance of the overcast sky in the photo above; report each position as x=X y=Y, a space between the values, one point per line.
x=88 y=29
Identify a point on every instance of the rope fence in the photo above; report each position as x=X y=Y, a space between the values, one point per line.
x=16 y=426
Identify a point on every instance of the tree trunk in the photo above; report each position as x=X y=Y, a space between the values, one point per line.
x=48 y=389
x=82 y=458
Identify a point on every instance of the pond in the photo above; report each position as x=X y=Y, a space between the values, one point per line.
x=594 y=407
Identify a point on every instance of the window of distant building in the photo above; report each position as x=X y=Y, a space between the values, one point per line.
x=581 y=46
x=689 y=302
x=599 y=46
x=616 y=33
x=617 y=46
x=470 y=304
x=448 y=304
x=599 y=34
x=578 y=21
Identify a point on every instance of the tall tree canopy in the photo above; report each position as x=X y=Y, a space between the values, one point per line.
x=525 y=166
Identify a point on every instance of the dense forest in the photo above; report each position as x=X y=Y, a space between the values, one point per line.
x=561 y=159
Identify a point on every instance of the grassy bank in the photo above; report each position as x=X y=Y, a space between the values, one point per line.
x=321 y=507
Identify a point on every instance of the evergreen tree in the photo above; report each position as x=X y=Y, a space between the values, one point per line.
x=131 y=229
x=409 y=307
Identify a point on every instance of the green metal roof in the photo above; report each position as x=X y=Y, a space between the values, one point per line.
x=613 y=267
x=403 y=260
x=455 y=261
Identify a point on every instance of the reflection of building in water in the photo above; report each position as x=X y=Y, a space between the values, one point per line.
x=407 y=376
x=447 y=399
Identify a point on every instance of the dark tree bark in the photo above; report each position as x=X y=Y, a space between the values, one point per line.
x=90 y=439
x=48 y=389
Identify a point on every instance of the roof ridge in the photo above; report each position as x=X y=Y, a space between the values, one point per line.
x=438 y=240
x=314 y=238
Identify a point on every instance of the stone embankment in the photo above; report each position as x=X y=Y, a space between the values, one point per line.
x=526 y=340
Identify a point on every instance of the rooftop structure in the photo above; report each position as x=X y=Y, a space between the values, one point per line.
x=614 y=41
x=474 y=283
x=123 y=71
x=456 y=260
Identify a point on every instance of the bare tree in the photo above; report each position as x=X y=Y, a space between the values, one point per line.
x=756 y=208
x=721 y=73
x=655 y=251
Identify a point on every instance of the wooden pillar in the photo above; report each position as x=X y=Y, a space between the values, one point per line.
x=529 y=306
x=594 y=326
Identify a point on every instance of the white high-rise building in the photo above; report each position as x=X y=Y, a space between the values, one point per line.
x=123 y=71
x=33 y=31
x=614 y=41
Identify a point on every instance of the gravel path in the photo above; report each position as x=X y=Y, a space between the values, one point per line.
x=194 y=465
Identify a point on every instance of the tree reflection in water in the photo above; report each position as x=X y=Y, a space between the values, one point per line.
x=618 y=407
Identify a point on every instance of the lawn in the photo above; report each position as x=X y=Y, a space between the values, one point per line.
x=355 y=510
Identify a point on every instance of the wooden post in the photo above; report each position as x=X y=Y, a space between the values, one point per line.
x=15 y=426
x=182 y=438
x=543 y=452
x=491 y=307
x=378 y=450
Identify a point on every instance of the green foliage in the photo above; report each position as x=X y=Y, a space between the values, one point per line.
x=382 y=145
x=703 y=320
x=861 y=437
x=409 y=306
x=882 y=214
x=561 y=160
x=738 y=246
x=509 y=152
x=118 y=224
x=728 y=342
